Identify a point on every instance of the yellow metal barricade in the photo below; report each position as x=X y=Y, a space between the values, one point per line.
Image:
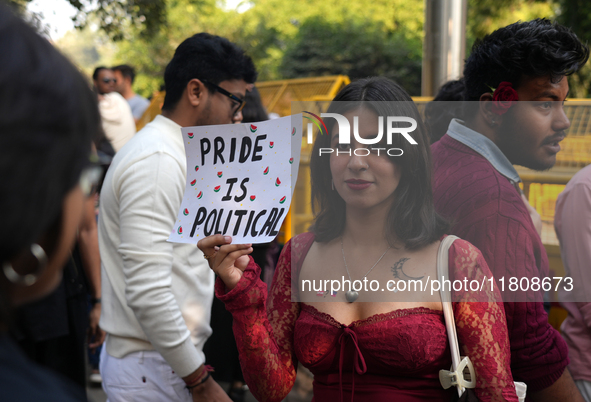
x=153 y=110
x=275 y=95
x=278 y=95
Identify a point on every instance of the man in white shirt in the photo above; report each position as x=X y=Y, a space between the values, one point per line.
x=157 y=295
x=116 y=116
x=125 y=76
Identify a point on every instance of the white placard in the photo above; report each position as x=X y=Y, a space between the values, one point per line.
x=240 y=180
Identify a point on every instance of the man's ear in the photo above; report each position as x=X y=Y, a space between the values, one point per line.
x=197 y=92
x=485 y=109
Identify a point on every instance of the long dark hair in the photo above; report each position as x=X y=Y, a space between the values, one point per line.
x=49 y=117
x=412 y=218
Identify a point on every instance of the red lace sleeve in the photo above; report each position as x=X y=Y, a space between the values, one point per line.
x=481 y=324
x=264 y=338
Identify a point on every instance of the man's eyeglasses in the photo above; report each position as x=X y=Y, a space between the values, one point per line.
x=108 y=80
x=240 y=102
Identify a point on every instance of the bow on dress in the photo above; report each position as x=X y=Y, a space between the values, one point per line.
x=359 y=361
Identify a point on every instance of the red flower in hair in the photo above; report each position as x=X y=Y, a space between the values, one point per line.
x=503 y=98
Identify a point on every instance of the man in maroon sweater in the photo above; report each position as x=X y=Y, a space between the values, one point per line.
x=475 y=183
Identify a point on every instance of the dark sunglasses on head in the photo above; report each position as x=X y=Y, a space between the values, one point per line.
x=107 y=80
x=240 y=102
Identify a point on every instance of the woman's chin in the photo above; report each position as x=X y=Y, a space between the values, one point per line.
x=363 y=204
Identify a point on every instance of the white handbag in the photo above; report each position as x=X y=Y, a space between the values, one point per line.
x=462 y=373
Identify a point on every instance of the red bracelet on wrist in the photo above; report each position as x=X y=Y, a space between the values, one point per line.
x=205 y=374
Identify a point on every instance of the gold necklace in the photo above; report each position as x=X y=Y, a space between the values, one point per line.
x=352 y=295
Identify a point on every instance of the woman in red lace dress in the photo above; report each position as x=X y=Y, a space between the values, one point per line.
x=375 y=223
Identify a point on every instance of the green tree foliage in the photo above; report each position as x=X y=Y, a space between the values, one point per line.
x=270 y=27
x=87 y=49
x=360 y=37
x=150 y=54
x=485 y=17
x=355 y=49
x=576 y=14
x=265 y=30
x=115 y=16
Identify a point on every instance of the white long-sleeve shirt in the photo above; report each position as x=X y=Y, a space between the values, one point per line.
x=117 y=120
x=155 y=294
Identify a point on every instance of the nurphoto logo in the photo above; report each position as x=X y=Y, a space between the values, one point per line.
x=392 y=127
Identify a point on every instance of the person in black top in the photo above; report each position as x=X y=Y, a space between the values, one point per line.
x=49 y=116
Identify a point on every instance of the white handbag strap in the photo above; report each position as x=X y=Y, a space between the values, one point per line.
x=455 y=377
